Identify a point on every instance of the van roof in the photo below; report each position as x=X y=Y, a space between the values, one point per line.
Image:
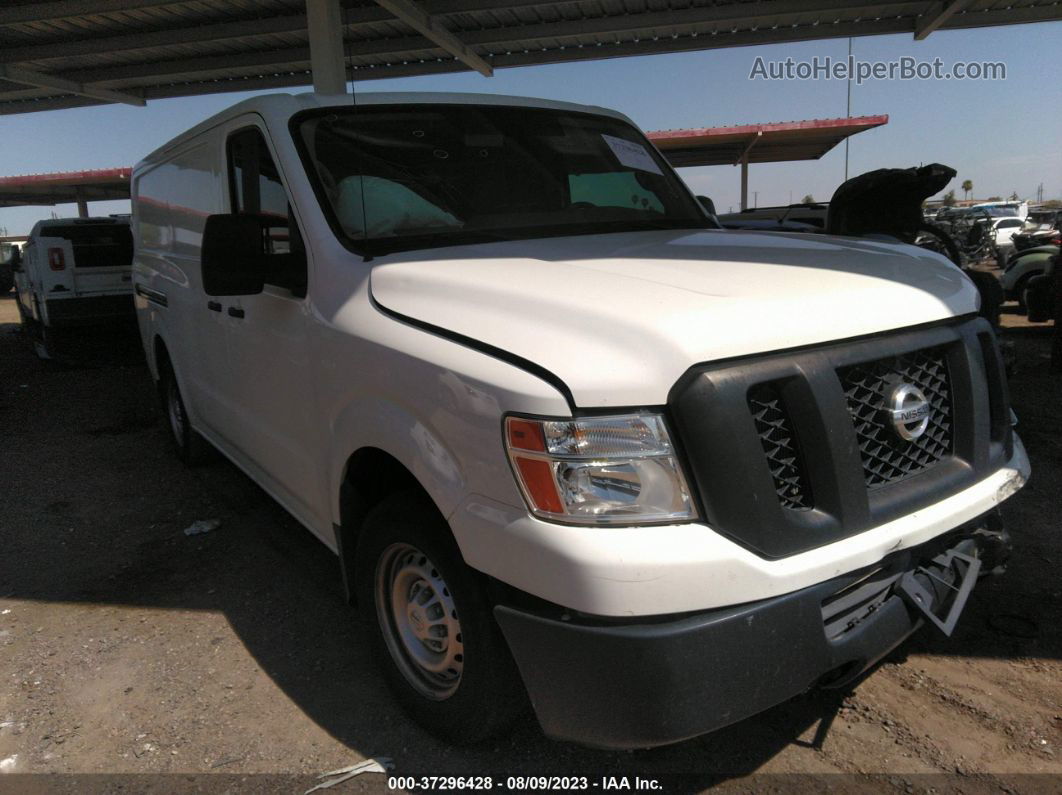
x=276 y=109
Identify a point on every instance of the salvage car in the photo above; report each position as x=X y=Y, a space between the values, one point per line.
x=74 y=273
x=574 y=444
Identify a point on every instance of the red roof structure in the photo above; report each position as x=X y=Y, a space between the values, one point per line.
x=759 y=143
x=65 y=187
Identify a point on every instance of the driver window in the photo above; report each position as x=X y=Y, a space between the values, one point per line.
x=255 y=189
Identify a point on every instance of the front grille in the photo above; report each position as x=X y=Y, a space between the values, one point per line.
x=779 y=446
x=887 y=458
x=793 y=450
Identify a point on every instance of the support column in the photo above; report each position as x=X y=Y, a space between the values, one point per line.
x=82 y=203
x=324 y=22
x=744 y=182
x=743 y=160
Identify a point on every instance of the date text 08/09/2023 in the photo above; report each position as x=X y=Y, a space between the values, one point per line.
x=524 y=783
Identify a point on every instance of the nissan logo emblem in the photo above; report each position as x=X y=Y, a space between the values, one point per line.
x=908 y=411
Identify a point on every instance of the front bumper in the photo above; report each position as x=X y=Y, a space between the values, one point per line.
x=652 y=682
x=624 y=572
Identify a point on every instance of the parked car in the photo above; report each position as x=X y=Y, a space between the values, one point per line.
x=74 y=272
x=1002 y=231
x=1040 y=228
x=569 y=438
x=1028 y=265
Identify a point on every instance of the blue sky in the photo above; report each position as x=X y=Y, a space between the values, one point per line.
x=1002 y=135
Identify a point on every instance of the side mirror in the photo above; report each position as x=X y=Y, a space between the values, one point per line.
x=16 y=259
x=707 y=204
x=234 y=254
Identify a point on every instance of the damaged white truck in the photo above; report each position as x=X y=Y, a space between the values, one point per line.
x=574 y=444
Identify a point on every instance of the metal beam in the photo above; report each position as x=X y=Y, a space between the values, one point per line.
x=431 y=27
x=64 y=9
x=325 y=28
x=932 y=20
x=147 y=39
x=30 y=78
x=744 y=156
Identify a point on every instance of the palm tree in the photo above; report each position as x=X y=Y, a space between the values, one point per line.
x=967 y=186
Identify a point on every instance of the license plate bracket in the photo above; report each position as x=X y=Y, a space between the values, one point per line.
x=965 y=568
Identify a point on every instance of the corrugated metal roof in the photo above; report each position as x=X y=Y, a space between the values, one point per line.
x=166 y=48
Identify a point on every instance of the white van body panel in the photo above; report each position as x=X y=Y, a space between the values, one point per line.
x=643 y=307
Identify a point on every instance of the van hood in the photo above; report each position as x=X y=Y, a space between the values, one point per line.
x=620 y=317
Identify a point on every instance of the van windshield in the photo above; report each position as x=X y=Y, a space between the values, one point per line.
x=401 y=177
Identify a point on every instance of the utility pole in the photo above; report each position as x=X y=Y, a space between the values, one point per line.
x=755 y=199
x=848 y=107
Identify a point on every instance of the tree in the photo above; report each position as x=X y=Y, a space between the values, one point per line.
x=949 y=199
x=995 y=198
x=808 y=199
x=967 y=186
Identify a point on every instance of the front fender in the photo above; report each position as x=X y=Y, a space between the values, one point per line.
x=372 y=421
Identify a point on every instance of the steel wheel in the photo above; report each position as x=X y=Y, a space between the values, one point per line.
x=175 y=411
x=419 y=621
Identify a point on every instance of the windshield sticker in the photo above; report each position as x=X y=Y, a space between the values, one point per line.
x=632 y=155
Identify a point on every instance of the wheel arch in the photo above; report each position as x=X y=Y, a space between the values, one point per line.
x=370 y=476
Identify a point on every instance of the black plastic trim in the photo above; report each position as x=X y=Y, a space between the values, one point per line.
x=643 y=682
x=154 y=296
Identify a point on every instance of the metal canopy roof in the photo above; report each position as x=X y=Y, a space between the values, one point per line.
x=70 y=53
x=65 y=187
x=759 y=143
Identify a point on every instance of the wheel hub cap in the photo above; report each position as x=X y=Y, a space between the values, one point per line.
x=419 y=621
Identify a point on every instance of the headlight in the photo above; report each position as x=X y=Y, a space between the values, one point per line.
x=599 y=470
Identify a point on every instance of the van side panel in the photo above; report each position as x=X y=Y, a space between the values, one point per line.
x=171 y=201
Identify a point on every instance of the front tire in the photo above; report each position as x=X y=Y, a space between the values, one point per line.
x=191 y=448
x=430 y=620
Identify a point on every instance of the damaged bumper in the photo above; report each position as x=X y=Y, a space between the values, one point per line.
x=606 y=683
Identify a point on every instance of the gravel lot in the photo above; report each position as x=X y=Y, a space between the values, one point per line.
x=127 y=647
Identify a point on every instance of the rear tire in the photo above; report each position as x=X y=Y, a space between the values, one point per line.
x=431 y=625
x=1020 y=287
x=191 y=448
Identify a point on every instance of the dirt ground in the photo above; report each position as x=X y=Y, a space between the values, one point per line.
x=229 y=661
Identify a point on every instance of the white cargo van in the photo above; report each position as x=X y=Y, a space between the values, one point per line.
x=568 y=438
x=74 y=272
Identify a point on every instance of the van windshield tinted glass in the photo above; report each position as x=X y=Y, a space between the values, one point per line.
x=401 y=177
x=96 y=245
